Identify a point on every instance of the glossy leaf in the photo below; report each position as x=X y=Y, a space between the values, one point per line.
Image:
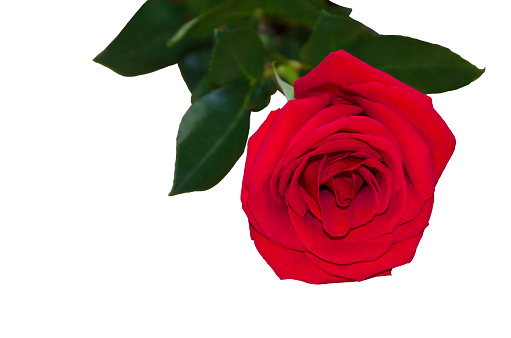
x=331 y=7
x=302 y=11
x=197 y=7
x=194 y=67
x=140 y=47
x=286 y=44
x=261 y=94
x=285 y=88
x=299 y=10
x=211 y=138
x=204 y=24
x=203 y=87
x=336 y=9
x=238 y=57
x=332 y=33
x=427 y=67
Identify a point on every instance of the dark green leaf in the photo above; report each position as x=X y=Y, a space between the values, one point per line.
x=331 y=7
x=336 y=9
x=197 y=7
x=318 y=3
x=238 y=57
x=302 y=11
x=203 y=87
x=225 y=12
x=287 y=44
x=233 y=10
x=333 y=33
x=261 y=94
x=140 y=47
x=204 y=24
x=194 y=67
x=285 y=88
x=427 y=67
x=211 y=138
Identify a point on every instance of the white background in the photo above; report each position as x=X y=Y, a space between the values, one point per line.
x=91 y=246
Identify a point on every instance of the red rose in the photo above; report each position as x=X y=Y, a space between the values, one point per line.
x=339 y=183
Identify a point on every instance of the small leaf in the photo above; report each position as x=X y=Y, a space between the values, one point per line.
x=238 y=57
x=332 y=33
x=288 y=73
x=194 y=67
x=211 y=138
x=427 y=67
x=140 y=47
x=285 y=88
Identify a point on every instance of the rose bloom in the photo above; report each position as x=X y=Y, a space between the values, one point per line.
x=339 y=183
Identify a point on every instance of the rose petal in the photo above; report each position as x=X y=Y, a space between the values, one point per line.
x=354 y=127
x=381 y=224
x=317 y=241
x=419 y=112
x=399 y=254
x=252 y=147
x=337 y=221
x=265 y=212
x=291 y=264
x=341 y=68
x=366 y=201
x=273 y=220
x=414 y=152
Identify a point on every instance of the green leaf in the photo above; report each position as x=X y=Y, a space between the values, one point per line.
x=211 y=138
x=204 y=24
x=318 y=3
x=197 y=7
x=203 y=87
x=302 y=11
x=238 y=57
x=194 y=67
x=285 y=88
x=261 y=94
x=140 y=47
x=336 y=9
x=224 y=12
x=427 y=67
x=286 y=44
x=331 y=7
x=332 y=33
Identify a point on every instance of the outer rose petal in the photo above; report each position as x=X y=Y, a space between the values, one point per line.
x=341 y=68
x=291 y=264
x=253 y=145
x=399 y=254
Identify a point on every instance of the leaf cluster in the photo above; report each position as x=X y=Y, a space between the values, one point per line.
x=226 y=51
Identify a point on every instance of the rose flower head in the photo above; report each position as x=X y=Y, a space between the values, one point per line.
x=338 y=184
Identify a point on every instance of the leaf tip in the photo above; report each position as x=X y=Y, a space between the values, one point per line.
x=174 y=192
x=481 y=72
x=97 y=59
